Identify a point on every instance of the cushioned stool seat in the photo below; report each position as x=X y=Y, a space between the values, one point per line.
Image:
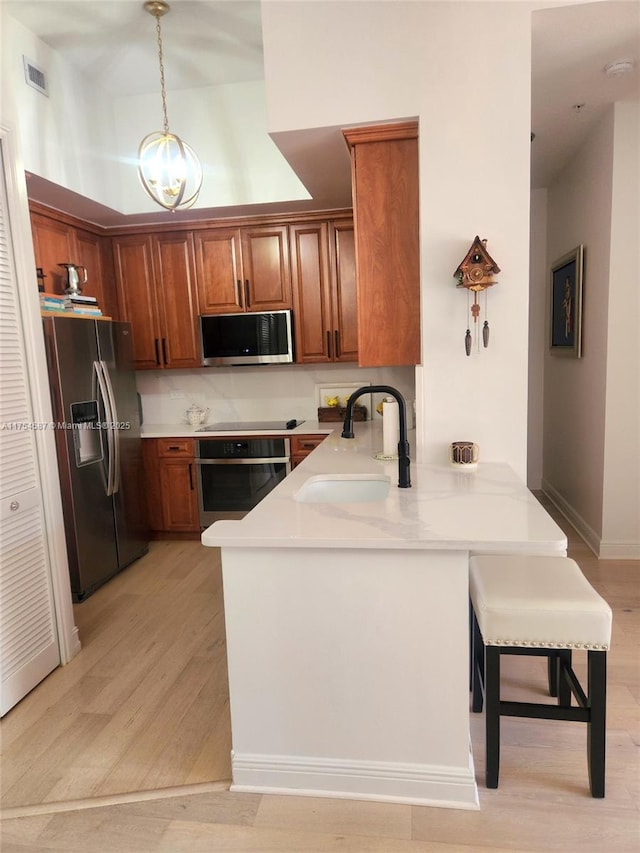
x=539 y=606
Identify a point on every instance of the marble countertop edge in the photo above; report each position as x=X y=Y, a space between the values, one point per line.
x=485 y=510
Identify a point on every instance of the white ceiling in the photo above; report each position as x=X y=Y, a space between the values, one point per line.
x=208 y=42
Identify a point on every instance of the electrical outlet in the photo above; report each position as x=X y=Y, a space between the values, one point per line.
x=176 y=395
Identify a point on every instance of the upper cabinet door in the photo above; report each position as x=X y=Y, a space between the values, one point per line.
x=219 y=270
x=176 y=300
x=265 y=260
x=136 y=296
x=54 y=243
x=384 y=170
x=343 y=290
x=94 y=254
x=311 y=294
x=323 y=276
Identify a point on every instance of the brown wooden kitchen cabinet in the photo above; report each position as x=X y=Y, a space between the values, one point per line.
x=243 y=269
x=155 y=279
x=302 y=445
x=384 y=170
x=324 y=291
x=171 y=488
x=56 y=241
x=94 y=254
x=53 y=243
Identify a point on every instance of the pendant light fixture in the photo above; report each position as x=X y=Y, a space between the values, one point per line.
x=168 y=168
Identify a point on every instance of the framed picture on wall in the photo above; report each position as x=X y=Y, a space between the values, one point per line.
x=566 y=304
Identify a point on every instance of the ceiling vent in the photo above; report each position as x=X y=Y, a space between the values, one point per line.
x=35 y=76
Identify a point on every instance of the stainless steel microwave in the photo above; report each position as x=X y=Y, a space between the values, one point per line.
x=263 y=337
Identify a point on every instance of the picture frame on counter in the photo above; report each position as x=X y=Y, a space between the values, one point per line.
x=567 y=274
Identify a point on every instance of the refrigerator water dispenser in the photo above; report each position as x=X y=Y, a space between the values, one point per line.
x=86 y=432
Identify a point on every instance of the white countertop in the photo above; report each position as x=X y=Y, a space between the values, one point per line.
x=488 y=509
x=185 y=430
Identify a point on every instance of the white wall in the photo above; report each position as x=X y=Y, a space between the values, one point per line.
x=621 y=486
x=227 y=127
x=591 y=420
x=67 y=137
x=538 y=287
x=574 y=419
x=389 y=60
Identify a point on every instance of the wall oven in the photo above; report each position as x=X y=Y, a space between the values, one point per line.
x=235 y=474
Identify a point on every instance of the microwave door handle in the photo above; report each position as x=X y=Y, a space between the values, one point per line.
x=113 y=428
x=244 y=461
x=104 y=396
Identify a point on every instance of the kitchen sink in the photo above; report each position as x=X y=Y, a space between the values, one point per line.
x=344 y=488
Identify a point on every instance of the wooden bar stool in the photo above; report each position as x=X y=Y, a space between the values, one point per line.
x=539 y=606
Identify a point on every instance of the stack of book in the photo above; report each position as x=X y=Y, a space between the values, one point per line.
x=54 y=301
x=88 y=305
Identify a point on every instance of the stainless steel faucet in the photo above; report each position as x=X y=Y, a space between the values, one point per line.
x=404 y=462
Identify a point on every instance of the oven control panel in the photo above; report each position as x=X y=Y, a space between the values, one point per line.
x=243 y=448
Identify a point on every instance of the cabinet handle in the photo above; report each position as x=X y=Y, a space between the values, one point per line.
x=191 y=475
x=329 y=344
x=164 y=351
x=155 y=344
x=173 y=447
x=337 y=337
x=239 y=292
x=247 y=299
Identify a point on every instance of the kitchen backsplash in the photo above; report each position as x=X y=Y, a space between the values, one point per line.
x=250 y=393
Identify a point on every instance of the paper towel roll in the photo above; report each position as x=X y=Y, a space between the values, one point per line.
x=390 y=432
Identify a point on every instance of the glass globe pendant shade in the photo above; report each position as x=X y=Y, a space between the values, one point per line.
x=169 y=170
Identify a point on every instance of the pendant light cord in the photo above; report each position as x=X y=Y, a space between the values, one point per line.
x=162 y=87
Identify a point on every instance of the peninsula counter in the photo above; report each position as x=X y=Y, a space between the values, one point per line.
x=347 y=626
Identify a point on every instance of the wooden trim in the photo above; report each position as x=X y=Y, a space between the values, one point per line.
x=75 y=316
x=381 y=132
x=188 y=224
x=66 y=218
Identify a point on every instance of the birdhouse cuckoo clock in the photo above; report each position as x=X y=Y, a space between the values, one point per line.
x=476 y=273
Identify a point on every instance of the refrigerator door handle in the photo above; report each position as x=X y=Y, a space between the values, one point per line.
x=112 y=428
x=104 y=394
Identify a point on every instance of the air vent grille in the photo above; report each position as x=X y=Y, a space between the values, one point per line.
x=35 y=76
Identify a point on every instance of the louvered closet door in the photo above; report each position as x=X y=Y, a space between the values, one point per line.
x=28 y=638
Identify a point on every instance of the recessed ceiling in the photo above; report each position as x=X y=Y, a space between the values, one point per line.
x=570 y=48
x=205 y=42
x=210 y=42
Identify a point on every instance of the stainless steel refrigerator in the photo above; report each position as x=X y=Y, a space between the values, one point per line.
x=97 y=415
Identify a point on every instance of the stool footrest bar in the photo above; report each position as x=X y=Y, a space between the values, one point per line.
x=543 y=712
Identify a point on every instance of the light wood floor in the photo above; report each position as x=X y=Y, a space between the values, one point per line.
x=93 y=759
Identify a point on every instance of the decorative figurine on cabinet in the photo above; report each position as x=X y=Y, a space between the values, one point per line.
x=476 y=273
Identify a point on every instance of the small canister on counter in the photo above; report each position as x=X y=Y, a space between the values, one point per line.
x=464 y=454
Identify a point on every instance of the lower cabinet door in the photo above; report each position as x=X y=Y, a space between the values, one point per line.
x=179 y=495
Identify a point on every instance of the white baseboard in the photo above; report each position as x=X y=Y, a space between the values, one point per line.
x=415 y=784
x=603 y=549
x=619 y=550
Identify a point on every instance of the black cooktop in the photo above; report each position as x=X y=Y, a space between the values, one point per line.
x=242 y=426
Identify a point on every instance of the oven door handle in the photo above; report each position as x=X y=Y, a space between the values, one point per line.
x=243 y=461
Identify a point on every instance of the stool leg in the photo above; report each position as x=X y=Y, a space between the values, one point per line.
x=596 y=727
x=477 y=665
x=553 y=672
x=558 y=686
x=564 y=689
x=492 y=714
